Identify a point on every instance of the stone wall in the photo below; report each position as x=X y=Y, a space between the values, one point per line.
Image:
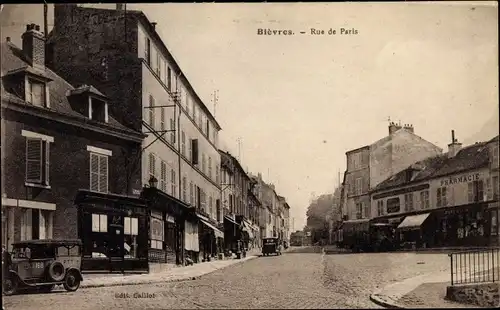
x=480 y=294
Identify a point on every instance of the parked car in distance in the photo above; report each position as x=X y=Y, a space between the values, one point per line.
x=43 y=264
x=271 y=246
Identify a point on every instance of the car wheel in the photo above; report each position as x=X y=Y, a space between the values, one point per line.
x=72 y=281
x=10 y=284
x=56 y=271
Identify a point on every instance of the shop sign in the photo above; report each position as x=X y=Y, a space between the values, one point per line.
x=461 y=179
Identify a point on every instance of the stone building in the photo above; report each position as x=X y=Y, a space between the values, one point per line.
x=121 y=51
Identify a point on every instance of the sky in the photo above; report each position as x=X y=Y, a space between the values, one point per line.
x=298 y=103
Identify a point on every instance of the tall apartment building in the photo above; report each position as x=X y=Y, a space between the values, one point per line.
x=369 y=165
x=122 y=53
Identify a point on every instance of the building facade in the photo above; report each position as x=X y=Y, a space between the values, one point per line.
x=66 y=159
x=369 y=165
x=444 y=200
x=148 y=92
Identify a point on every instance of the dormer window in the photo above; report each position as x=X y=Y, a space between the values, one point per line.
x=89 y=102
x=98 y=110
x=36 y=93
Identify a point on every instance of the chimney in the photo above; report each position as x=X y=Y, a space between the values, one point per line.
x=34 y=45
x=154 y=24
x=454 y=147
x=7 y=39
x=393 y=127
x=409 y=127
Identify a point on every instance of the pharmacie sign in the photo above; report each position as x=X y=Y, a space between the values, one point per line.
x=461 y=179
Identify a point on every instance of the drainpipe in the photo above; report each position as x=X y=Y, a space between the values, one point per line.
x=178 y=103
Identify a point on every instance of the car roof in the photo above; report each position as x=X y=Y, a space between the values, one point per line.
x=53 y=242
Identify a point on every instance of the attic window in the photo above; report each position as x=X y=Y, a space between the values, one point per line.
x=36 y=92
x=98 y=110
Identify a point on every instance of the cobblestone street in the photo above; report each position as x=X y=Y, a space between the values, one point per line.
x=293 y=280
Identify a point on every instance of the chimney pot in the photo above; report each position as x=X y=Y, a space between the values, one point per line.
x=154 y=25
x=8 y=39
x=37 y=28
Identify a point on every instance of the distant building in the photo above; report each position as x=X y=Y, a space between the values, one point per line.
x=369 y=165
x=444 y=200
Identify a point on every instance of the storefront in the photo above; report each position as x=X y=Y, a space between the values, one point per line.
x=168 y=231
x=494 y=215
x=210 y=237
x=232 y=233
x=114 y=232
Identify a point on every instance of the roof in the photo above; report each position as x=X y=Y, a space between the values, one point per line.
x=471 y=157
x=235 y=161
x=54 y=242
x=87 y=88
x=13 y=59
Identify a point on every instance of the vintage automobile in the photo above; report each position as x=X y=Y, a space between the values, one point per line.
x=271 y=246
x=43 y=264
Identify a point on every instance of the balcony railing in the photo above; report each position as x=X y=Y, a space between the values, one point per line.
x=476 y=266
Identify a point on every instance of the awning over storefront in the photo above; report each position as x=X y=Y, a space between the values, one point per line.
x=246 y=228
x=413 y=221
x=218 y=233
x=231 y=220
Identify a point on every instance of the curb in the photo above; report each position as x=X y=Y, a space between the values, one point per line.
x=182 y=279
x=379 y=301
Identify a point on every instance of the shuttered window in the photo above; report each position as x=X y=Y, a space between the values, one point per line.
x=173 y=183
x=162 y=119
x=98 y=173
x=184 y=189
x=37 y=161
x=163 y=177
x=151 y=111
x=191 y=193
x=172 y=133
x=183 y=143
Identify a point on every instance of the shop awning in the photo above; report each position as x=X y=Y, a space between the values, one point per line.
x=217 y=232
x=231 y=220
x=356 y=225
x=413 y=221
x=246 y=228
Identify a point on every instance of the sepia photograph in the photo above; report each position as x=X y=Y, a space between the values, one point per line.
x=322 y=155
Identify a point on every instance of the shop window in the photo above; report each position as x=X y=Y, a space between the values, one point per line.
x=99 y=223
x=494 y=222
x=26 y=224
x=393 y=205
x=441 y=200
x=157 y=233
x=130 y=231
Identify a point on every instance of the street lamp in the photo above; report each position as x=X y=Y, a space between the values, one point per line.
x=153 y=181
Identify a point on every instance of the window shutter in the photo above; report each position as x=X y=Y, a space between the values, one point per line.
x=194 y=147
x=103 y=174
x=47 y=162
x=126 y=225
x=94 y=172
x=34 y=160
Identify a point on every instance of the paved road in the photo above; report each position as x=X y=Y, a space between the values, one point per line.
x=303 y=279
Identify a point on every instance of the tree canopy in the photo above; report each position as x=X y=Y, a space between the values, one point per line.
x=320 y=212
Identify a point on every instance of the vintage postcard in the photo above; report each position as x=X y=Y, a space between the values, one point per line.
x=250 y=155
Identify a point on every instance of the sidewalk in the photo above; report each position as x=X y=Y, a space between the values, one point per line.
x=174 y=274
x=425 y=291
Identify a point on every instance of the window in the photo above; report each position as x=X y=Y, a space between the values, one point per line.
x=161 y=66
x=147 y=51
x=495 y=155
x=494 y=230
x=203 y=200
x=99 y=223
x=184 y=189
x=380 y=207
x=195 y=109
x=188 y=104
x=393 y=205
x=26 y=224
x=424 y=200
x=169 y=79
x=173 y=184
x=210 y=207
x=217 y=173
x=37 y=161
x=158 y=63
x=36 y=93
x=209 y=167
x=163 y=176
x=203 y=163
x=130 y=226
x=366 y=208
x=476 y=191
x=172 y=134
x=358 y=186
x=152 y=165
x=183 y=143
x=200 y=120
x=157 y=233
x=98 y=173
x=441 y=197
x=359 y=211
x=162 y=119
x=495 y=187
x=151 y=111
x=409 y=202
x=208 y=129
x=191 y=193
x=194 y=151
x=154 y=59
x=214 y=136
x=190 y=149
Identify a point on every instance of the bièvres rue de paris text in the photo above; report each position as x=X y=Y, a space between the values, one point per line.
x=310 y=31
